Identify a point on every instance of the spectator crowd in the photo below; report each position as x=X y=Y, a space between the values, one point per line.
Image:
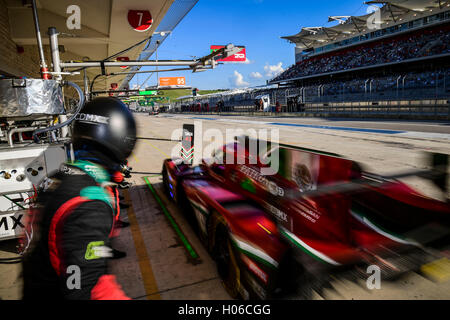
x=404 y=47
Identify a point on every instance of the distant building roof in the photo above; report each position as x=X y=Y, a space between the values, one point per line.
x=391 y=12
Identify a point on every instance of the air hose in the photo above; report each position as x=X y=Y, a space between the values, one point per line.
x=10 y=260
x=68 y=121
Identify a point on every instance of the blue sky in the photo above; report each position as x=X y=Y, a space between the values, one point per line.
x=256 y=24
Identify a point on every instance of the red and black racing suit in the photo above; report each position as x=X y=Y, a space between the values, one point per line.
x=69 y=226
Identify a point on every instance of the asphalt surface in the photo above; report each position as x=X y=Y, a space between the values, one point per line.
x=381 y=124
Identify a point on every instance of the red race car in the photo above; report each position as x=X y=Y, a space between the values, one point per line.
x=315 y=215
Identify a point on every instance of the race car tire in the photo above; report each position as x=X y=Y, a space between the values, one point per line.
x=186 y=207
x=293 y=279
x=227 y=263
x=165 y=180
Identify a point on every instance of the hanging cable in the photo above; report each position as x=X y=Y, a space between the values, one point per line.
x=120 y=52
x=68 y=121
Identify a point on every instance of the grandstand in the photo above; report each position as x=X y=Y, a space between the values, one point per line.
x=392 y=62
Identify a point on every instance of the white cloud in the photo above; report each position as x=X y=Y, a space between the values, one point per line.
x=247 y=61
x=237 y=80
x=256 y=75
x=272 y=71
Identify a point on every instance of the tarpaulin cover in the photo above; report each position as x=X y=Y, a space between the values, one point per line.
x=26 y=97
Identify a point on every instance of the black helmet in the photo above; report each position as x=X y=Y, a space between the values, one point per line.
x=107 y=124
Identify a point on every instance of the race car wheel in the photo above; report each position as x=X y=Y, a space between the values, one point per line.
x=227 y=264
x=165 y=180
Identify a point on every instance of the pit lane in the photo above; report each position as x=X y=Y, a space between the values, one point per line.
x=158 y=264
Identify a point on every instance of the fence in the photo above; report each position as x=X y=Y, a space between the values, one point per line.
x=394 y=97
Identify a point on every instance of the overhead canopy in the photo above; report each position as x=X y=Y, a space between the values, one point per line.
x=105 y=30
x=391 y=12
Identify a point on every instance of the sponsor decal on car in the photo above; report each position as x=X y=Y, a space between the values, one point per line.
x=271 y=186
x=280 y=215
x=306 y=212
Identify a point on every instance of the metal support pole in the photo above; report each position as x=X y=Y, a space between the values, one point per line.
x=54 y=49
x=437 y=80
x=91 y=64
x=44 y=68
x=398 y=83
x=403 y=86
x=143 y=83
x=200 y=64
x=146 y=71
x=86 y=85
x=156 y=56
x=56 y=61
x=445 y=81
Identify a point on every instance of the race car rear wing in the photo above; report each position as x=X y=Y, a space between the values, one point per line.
x=438 y=174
